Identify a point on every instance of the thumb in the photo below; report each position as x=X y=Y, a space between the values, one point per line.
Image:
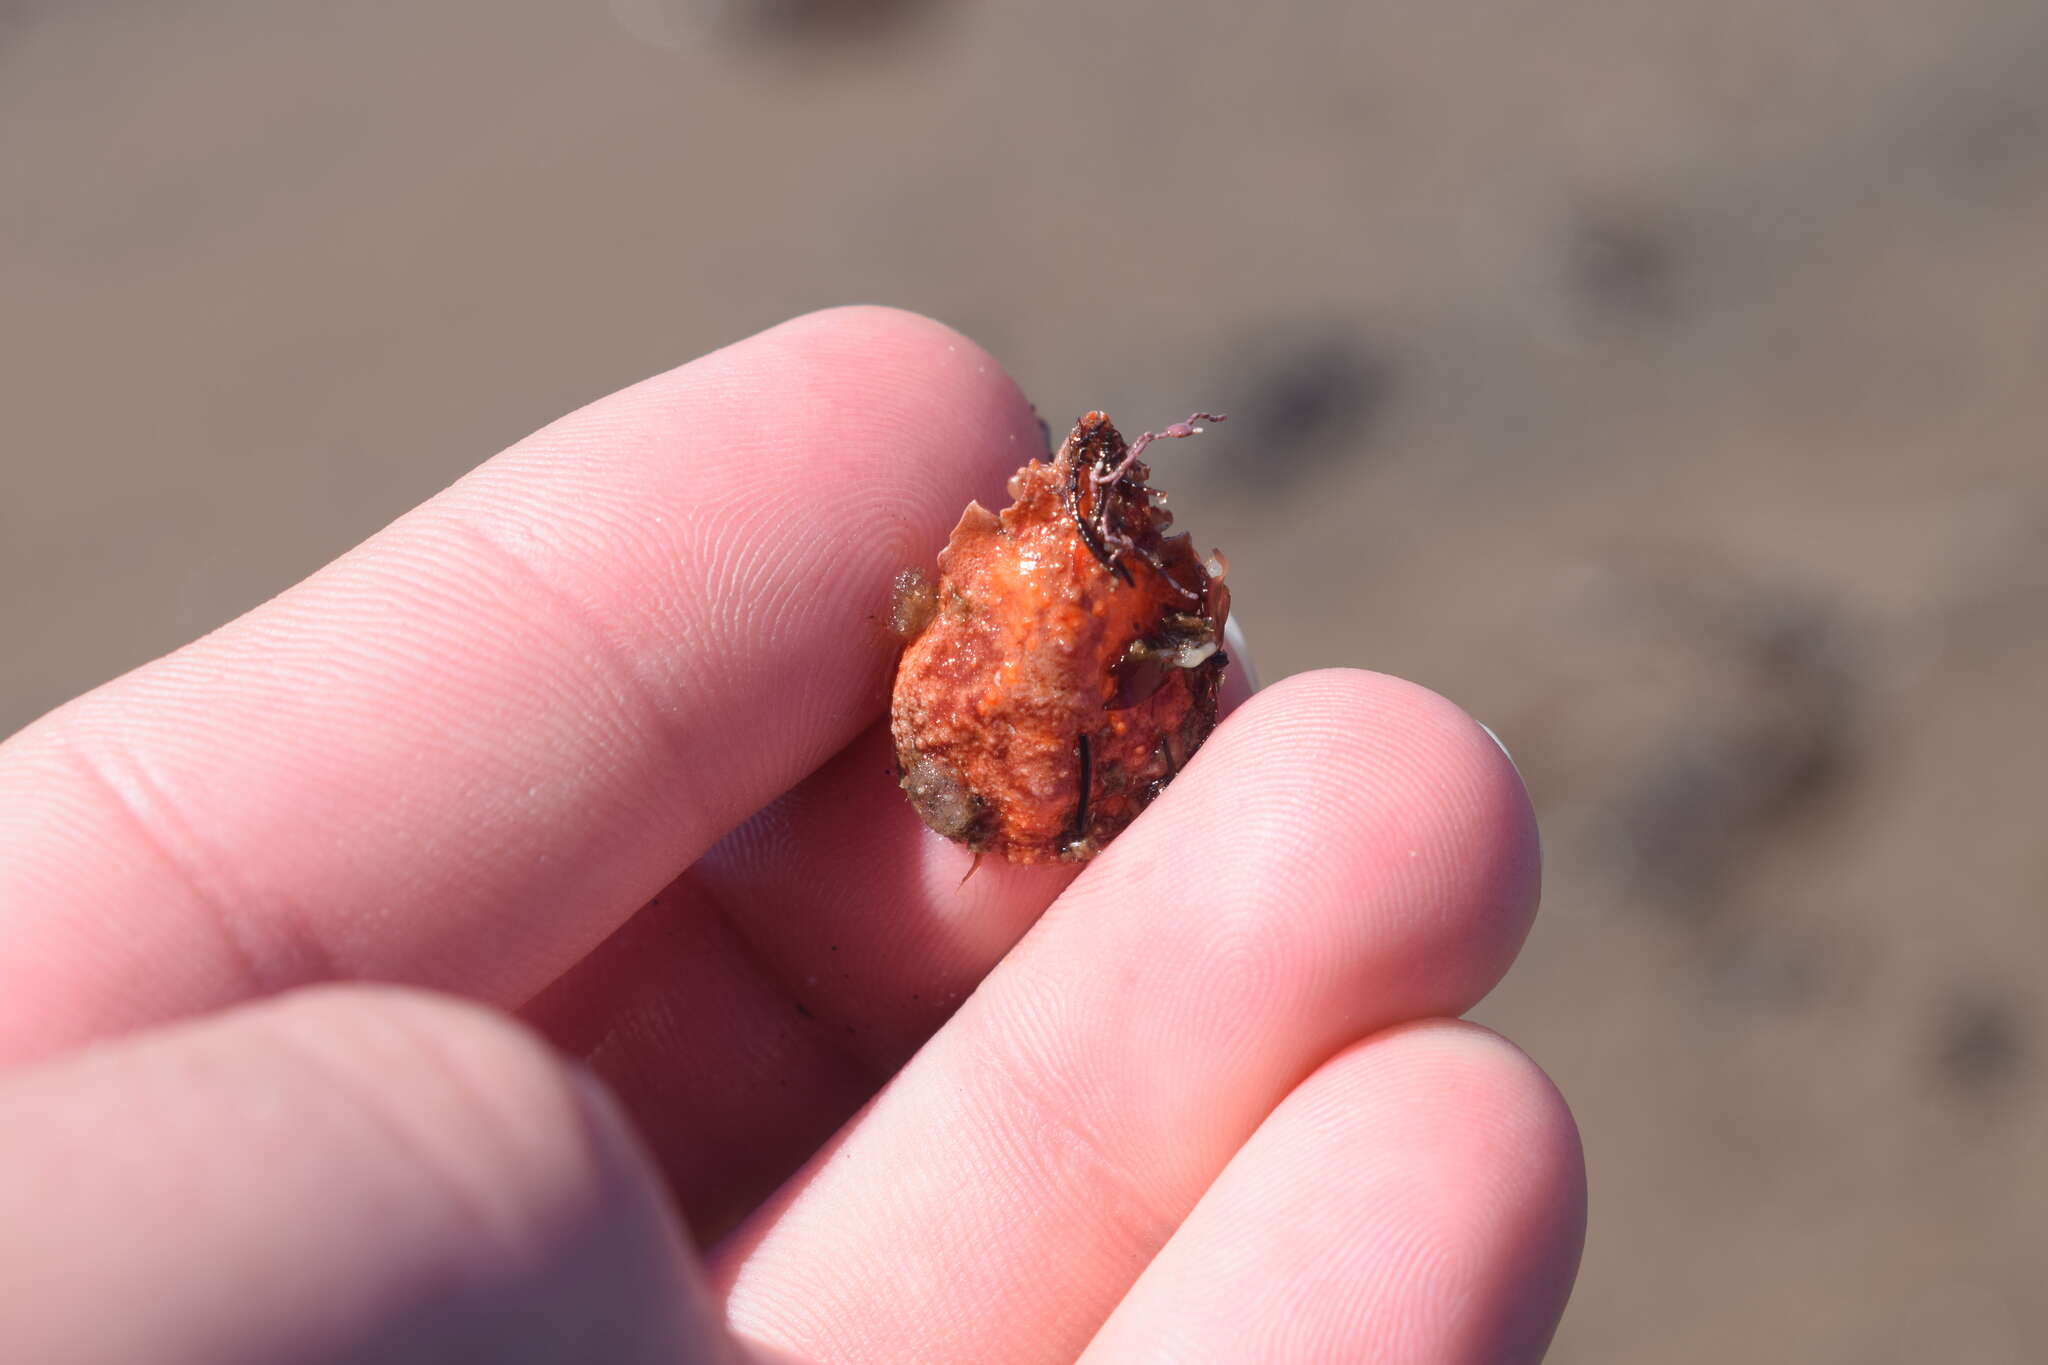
x=348 y=1174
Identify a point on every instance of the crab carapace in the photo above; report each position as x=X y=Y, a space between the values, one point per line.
x=1066 y=664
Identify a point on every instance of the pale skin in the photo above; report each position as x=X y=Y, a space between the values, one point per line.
x=584 y=761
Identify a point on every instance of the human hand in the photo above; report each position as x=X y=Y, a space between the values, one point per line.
x=1211 y=1107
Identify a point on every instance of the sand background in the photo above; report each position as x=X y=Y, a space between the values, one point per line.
x=1662 y=382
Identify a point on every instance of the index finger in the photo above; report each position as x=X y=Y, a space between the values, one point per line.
x=462 y=754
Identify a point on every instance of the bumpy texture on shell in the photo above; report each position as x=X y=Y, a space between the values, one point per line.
x=1070 y=665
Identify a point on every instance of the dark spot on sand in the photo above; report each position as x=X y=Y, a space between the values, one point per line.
x=1625 y=269
x=1981 y=1043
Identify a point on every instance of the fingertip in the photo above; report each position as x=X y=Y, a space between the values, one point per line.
x=1480 y=1162
x=1413 y=802
x=1417 y=1197
x=860 y=418
x=1470 y=1102
x=886 y=331
x=935 y=373
x=908 y=420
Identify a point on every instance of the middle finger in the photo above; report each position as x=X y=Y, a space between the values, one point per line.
x=1348 y=853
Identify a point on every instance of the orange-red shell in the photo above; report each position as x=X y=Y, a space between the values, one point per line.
x=1070 y=663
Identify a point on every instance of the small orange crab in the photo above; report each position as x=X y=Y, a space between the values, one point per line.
x=1067 y=662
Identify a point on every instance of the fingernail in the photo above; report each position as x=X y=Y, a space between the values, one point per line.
x=1499 y=745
